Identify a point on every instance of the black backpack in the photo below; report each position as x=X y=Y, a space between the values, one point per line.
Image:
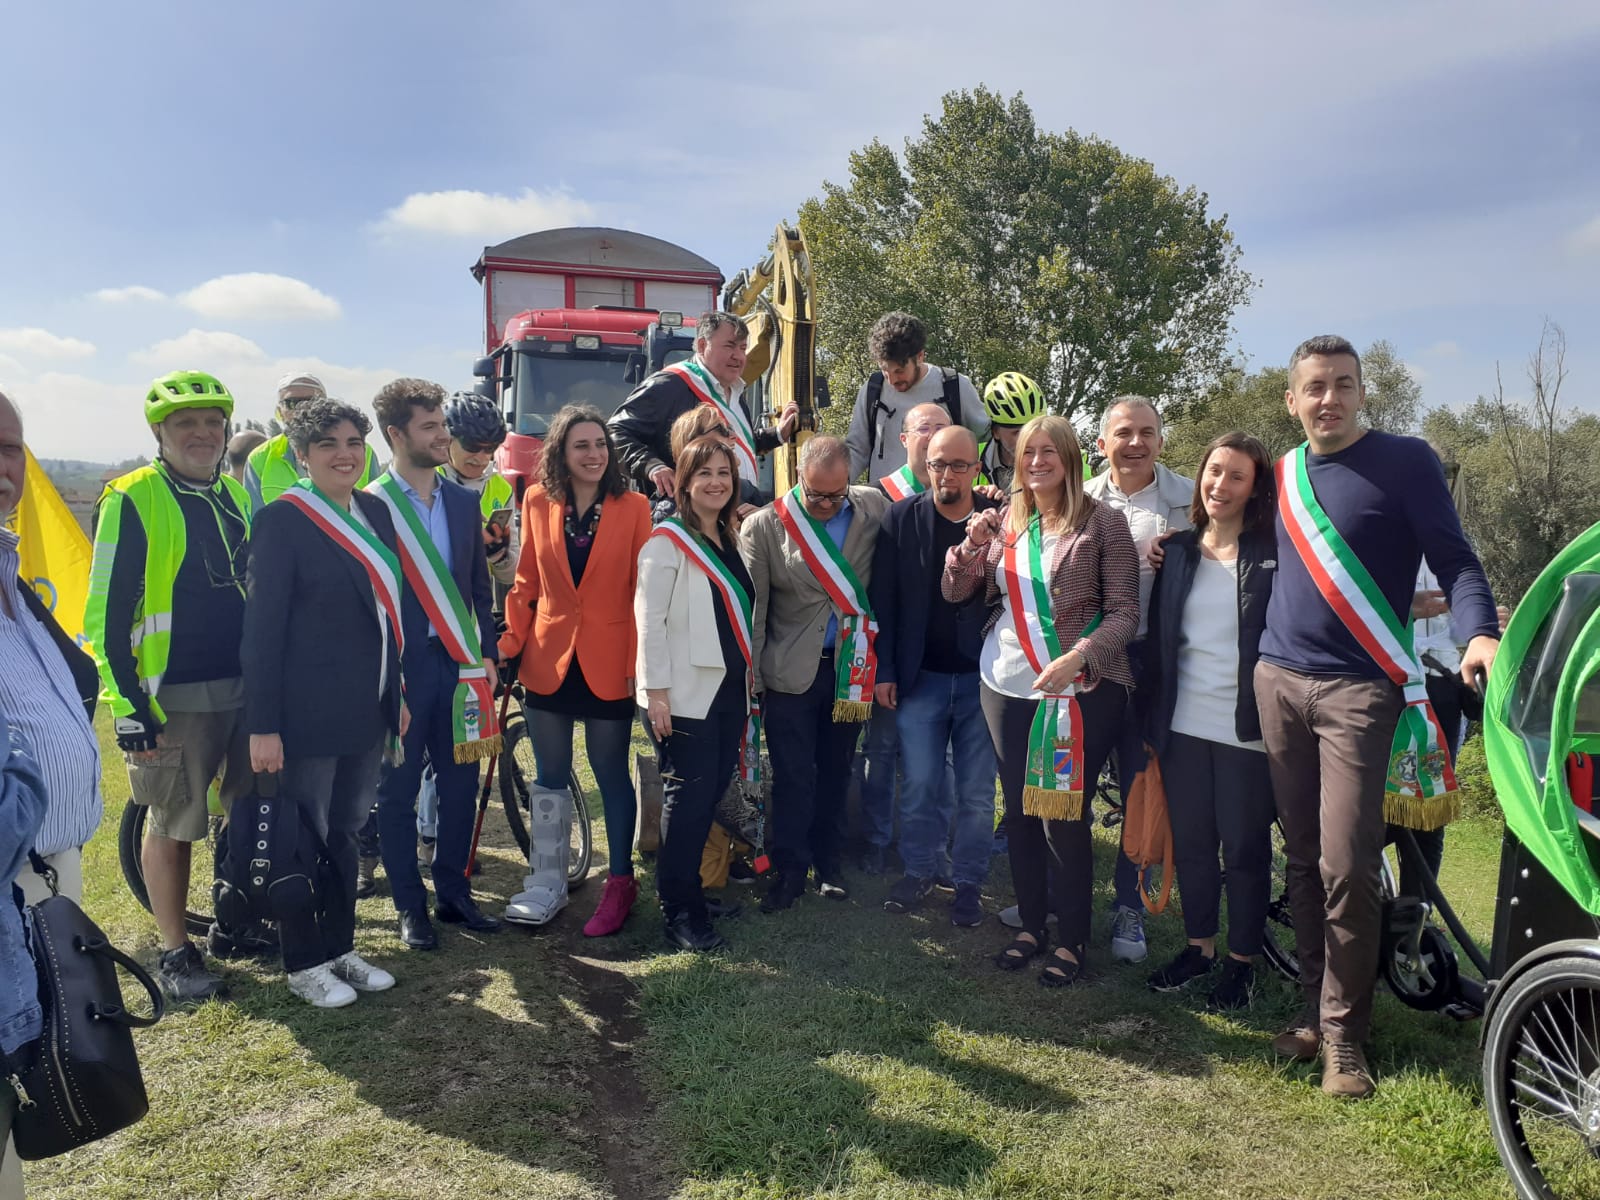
x=875 y=404
x=269 y=860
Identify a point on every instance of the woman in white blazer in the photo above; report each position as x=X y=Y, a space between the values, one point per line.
x=692 y=610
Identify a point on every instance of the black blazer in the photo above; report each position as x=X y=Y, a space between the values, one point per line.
x=311 y=653
x=905 y=567
x=85 y=675
x=1159 y=684
x=469 y=567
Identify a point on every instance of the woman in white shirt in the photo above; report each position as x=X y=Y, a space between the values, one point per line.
x=1206 y=615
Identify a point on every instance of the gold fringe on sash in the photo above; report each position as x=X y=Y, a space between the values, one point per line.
x=849 y=711
x=1425 y=813
x=1052 y=805
x=480 y=749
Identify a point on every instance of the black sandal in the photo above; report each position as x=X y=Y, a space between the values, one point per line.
x=1019 y=953
x=1058 y=972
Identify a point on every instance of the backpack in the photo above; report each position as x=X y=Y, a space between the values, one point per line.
x=1146 y=831
x=269 y=860
x=875 y=404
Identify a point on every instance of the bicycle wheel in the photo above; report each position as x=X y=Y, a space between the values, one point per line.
x=517 y=768
x=202 y=866
x=1541 y=1079
x=1277 y=943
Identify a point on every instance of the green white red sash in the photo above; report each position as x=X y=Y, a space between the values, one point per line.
x=350 y=535
x=740 y=607
x=475 y=729
x=1420 y=788
x=902 y=483
x=708 y=391
x=1053 y=778
x=855 y=656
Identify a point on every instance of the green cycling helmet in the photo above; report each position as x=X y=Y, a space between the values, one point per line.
x=1013 y=399
x=185 y=389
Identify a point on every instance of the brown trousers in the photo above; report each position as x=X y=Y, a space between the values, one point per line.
x=1328 y=740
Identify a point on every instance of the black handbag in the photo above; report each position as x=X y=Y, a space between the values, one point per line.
x=83 y=1080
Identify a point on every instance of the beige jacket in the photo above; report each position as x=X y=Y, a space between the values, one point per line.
x=679 y=648
x=791 y=608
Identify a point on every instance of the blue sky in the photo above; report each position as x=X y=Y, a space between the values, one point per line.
x=252 y=188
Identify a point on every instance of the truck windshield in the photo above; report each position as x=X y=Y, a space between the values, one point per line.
x=547 y=382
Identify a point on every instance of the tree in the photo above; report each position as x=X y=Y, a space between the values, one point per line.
x=1054 y=254
x=1254 y=402
x=1528 y=483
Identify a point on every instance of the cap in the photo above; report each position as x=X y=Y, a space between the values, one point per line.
x=289 y=381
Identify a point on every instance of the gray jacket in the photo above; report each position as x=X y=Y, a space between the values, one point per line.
x=791 y=608
x=1173 y=491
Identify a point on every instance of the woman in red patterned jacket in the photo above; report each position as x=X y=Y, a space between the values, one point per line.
x=1061 y=577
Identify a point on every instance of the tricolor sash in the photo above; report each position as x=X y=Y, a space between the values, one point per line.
x=855 y=658
x=902 y=483
x=1053 y=779
x=1420 y=787
x=350 y=535
x=740 y=607
x=474 y=728
x=708 y=391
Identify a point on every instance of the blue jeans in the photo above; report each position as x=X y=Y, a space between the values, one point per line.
x=941 y=715
x=430 y=694
x=1130 y=761
x=428 y=805
x=608 y=743
x=880 y=750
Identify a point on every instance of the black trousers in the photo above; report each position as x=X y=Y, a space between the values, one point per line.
x=811 y=756
x=698 y=759
x=1219 y=797
x=1052 y=857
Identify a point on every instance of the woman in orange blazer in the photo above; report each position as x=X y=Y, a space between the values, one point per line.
x=569 y=618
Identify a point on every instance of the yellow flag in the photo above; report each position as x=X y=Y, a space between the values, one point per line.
x=54 y=549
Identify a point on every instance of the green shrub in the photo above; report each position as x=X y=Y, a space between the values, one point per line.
x=1472 y=776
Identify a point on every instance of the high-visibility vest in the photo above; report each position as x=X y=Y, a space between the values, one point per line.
x=272 y=464
x=496 y=491
x=166 y=541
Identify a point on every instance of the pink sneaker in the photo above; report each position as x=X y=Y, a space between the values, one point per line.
x=615 y=904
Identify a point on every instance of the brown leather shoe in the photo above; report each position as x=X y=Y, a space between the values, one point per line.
x=1345 y=1072
x=1302 y=1038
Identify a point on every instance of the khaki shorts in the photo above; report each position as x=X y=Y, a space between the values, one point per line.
x=194 y=747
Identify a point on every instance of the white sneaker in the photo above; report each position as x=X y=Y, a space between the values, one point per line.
x=321 y=987
x=1127 y=935
x=536 y=904
x=360 y=974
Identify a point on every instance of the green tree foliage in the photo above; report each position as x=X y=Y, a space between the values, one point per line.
x=1528 y=482
x=1054 y=254
x=1254 y=402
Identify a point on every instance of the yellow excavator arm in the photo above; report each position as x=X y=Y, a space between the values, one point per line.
x=776 y=300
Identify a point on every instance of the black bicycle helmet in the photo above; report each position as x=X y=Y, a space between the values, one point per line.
x=474 y=419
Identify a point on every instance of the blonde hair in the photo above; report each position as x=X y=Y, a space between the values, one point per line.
x=696 y=423
x=1075 y=504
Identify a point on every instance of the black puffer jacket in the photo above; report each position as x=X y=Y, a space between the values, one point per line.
x=1159 y=684
x=642 y=425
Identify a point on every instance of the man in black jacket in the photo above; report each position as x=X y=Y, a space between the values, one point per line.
x=642 y=424
x=928 y=674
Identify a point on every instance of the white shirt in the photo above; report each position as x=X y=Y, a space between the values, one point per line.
x=1208 y=657
x=1436 y=635
x=1002 y=664
x=1147 y=522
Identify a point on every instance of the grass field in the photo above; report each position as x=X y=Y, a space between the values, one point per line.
x=833 y=1051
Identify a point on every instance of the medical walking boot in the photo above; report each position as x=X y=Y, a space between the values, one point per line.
x=544 y=888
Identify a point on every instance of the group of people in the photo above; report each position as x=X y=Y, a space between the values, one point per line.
x=942 y=596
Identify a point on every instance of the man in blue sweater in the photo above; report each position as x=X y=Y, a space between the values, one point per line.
x=1329 y=710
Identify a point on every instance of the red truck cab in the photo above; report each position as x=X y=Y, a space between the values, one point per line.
x=581 y=316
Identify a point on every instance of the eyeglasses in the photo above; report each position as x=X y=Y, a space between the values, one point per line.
x=921 y=430
x=478 y=447
x=953 y=468
x=824 y=497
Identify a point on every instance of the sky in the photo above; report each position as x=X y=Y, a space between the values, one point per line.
x=255 y=188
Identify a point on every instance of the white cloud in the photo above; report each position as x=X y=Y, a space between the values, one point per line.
x=41 y=343
x=9 y=366
x=199 y=349
x=1586 y=238
x=260 y=297
x=1445 y=349
x=1420 y=374
x=122 y=295
x=461 y=213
